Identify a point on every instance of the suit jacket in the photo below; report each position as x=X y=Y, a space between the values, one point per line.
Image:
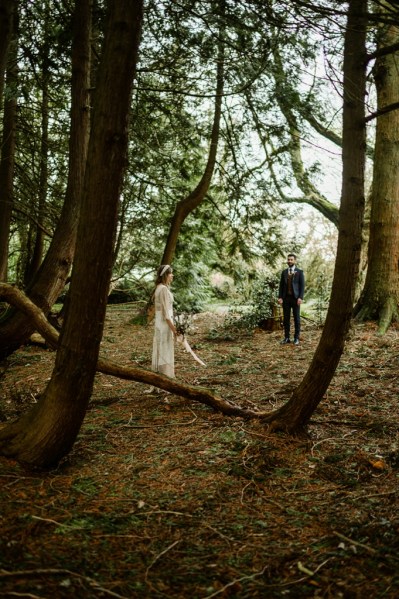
x=298 y=284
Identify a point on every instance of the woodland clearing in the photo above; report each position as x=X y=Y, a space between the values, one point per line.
x=164 y=497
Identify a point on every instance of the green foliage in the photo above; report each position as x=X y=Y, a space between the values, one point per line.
x=242 y=221
x=263 y=297
x=260 y=307
x=191 y=288
x=317 y=260
x=43 y=90
x=320 y=297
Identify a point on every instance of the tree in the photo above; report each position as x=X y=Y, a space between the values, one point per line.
x=284 y=96
x=47 y=432
x=380 y=297
x=7 y=155
x=173 y=100
x=7 y=8
x=185 y=206
x=41 y=158
x=295 y=414
x=37 y=234
x=50 y=279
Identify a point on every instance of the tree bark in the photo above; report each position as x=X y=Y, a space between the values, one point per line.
x=55 y=268
x=380 y=297
x=7 y=8
x=46 y=433
x=36 y=257
x=296 y=413
x=7 y=159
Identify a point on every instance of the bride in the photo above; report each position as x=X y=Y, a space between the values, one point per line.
x=163 y=350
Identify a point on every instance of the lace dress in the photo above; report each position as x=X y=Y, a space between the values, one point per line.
x=163 y=349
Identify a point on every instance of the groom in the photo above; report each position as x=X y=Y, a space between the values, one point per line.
x=290 y=295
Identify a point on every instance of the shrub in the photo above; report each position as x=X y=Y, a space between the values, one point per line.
x=261 y=307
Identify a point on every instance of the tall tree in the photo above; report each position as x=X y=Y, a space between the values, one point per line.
x=46 y=433
x=7 y=8
x=188 y=204
x=55 y=268
x=7 y=154
x=295 y=414
x=380 y=297
x=39 y=203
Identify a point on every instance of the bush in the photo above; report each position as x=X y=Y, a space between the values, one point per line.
x=261 y=307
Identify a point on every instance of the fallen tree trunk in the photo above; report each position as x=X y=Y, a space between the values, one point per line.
x=16 y=298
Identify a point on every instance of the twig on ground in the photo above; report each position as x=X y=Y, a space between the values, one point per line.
x=228 y=539
x=52 y=522
x=243 y=491
x=298 y=580
x=334 y=439
x=26 y=595
x=183 y=423
x=378 y=494
x=50 y=571
x=356 y=424
x=161 y=512
x=159 y=556
x=356 y=543
x=235 y=581
x=254 y=434
x=282 y=507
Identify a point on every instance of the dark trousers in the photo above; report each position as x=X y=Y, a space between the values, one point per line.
x=290 y=303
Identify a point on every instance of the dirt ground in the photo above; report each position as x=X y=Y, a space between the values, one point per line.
x=163 y=497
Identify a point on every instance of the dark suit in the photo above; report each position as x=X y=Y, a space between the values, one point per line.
x=290 y=299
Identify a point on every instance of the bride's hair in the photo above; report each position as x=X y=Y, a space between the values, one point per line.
x=163 y=271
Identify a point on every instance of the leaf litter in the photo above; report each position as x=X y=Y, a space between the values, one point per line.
x=163 y=497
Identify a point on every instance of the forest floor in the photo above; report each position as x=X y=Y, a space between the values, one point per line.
x=162 y=497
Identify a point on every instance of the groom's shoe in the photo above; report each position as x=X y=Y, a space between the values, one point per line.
x=296 y=341
x=285 y=341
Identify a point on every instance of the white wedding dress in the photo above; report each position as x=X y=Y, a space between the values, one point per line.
x=163 y=349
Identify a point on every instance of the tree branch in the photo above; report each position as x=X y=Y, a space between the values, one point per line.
x=134 y=373
x=383 y=51
x=381 y=111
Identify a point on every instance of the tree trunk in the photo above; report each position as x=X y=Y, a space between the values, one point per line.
x=55 y=268
x=46 y=433
x=7 y=8
x=7 y=160
x=187 y=205
x=380 y=297
x=33 y=264
x=295 y=415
